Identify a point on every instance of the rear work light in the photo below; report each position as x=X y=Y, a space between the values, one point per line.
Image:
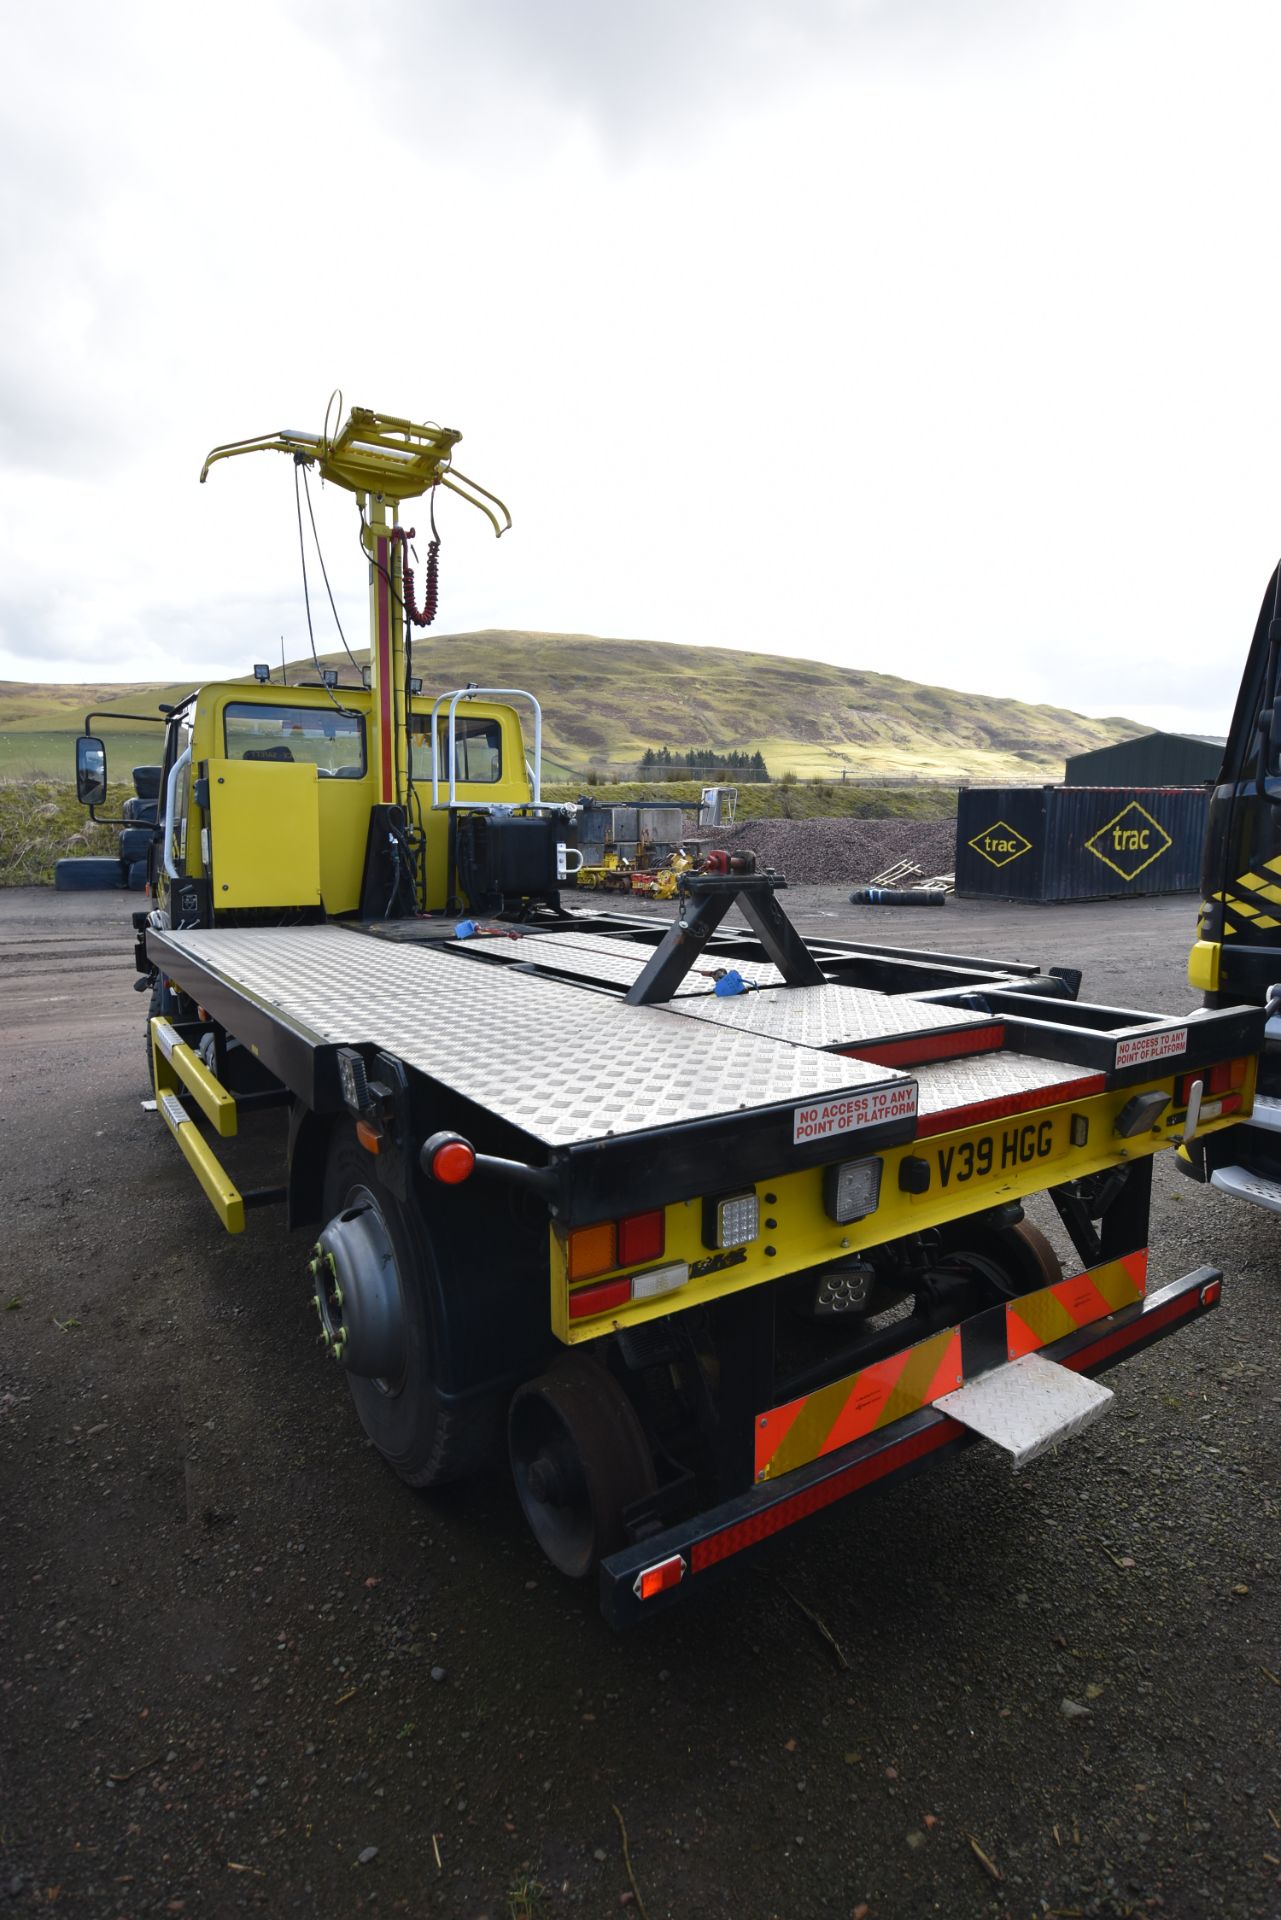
x=852 y=1190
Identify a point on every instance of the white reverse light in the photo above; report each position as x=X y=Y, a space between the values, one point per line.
x=659 y=1280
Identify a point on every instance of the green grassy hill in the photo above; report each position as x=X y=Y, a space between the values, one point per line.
x=605 y=701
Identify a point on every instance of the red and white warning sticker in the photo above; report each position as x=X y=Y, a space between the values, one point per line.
x=848 y=1112
x=1151 y=1046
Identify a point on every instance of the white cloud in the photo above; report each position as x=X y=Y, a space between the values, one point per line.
x=934 y=339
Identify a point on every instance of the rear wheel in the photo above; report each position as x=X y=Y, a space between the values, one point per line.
x=374 y=1270
x=579 y=1457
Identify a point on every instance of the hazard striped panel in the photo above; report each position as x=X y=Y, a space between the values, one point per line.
x=1037 y=1319
x=817 y=1423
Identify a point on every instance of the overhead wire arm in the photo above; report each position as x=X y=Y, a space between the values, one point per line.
x=377 y=454
x=469 y=490
x=286 y=440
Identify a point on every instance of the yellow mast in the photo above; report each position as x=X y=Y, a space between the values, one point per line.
x=383 y=460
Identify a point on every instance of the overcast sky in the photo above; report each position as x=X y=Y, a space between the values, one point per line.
x=938 y=337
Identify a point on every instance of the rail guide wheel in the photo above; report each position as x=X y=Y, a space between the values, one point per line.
x=1015 y=1259
x=579 y=1458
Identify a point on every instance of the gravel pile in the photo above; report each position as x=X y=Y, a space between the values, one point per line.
x=837 y=852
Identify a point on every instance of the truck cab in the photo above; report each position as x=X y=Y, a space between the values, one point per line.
x=268 y=808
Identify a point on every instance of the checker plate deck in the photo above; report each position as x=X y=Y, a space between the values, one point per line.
x=585 y=1067
x=615 y=962
x=831 y=1015
x=950 y=1084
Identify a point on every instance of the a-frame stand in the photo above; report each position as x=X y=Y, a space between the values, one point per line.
x=704 y=900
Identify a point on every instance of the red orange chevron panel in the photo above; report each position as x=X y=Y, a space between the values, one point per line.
x=817 y=1423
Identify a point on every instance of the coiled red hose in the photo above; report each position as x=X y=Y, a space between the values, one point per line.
x=431 y=589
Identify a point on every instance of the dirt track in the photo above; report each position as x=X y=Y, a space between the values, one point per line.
x=221 y=1617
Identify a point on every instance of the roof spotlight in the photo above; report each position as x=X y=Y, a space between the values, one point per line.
x=262 y=674
x=329 y=675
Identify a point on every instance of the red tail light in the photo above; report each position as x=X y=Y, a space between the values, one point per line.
x=1223 y=1077
x=641 y=1237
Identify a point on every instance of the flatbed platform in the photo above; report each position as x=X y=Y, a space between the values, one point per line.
x=588 y=1067
x=608 y=960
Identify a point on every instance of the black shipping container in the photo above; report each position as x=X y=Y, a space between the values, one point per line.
x=1079 y=843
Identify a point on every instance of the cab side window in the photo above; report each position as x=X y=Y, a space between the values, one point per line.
x=332 y=742
x=478 y=749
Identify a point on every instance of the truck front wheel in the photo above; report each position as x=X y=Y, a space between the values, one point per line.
x=373 y=1272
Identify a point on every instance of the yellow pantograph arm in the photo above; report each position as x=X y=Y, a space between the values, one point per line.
x=376 y=453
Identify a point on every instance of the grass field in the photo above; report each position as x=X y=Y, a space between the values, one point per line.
x=51 y=756
x=41 y=822
x=605 y=701
x=775 y=800
x=834 y=732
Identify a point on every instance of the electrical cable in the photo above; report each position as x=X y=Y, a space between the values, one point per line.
x=306 y=484
x=349 y=712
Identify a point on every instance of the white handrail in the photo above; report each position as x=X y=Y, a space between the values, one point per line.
x=480 y=693
x=184 y=760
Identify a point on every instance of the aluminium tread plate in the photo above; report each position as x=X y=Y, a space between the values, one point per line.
x=612 y=962
x=951 y=1084
x=830 y=1016
x=1028 y=1406
x=586 y=1067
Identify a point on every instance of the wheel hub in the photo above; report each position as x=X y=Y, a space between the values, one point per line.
x=357 y=1293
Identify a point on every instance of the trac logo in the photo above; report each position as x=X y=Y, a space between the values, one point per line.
x=1000 y=843
x=1130 y=841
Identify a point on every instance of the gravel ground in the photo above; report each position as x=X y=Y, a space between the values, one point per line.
x=244 y=1669
x=843 y=852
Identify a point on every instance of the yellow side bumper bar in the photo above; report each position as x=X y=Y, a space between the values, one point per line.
x=176 y=1064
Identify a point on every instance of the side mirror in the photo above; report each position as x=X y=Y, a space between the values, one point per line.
x=91 y=771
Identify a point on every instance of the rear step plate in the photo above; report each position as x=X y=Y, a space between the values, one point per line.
x=1028 y=1406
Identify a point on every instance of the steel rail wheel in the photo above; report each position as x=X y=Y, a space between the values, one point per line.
x=579 y=1457
x=1015 y=1260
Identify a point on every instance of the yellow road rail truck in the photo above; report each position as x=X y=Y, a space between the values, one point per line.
x=716 y=1226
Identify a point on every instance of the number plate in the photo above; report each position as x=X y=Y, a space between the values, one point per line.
x=1007 y=1148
